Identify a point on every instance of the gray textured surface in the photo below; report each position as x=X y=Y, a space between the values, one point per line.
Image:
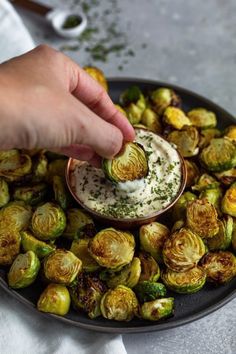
x=192 y=44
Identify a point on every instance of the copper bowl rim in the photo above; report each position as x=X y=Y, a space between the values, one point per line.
x=143 y=219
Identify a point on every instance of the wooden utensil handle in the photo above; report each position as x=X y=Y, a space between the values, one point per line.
x=32 y=6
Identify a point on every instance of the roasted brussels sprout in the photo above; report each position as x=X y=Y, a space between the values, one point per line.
x=130 y=164
x=179 y=208
x=61 y=194
x=183 y=250
x=15 y=216
x=157 y=309
x=202 y=218
x=79 y=224
x=151 y=120
x=56 y=168
x=128 y=275
x=193 y=172
x=4 y=193
x=187 y=282
x=48 y=221
x=205 y=181
x=227 y=177
x=97 y=75
x=30 y=243
x=234 y=235
x=134 y=104
x=162 y=98
x=149 y=291
x=9 y=245
x=13 y=165
x=62 y=266
x=206 y=135
x=40 y=167
x=219 y=155
x=177 y=225
x=176 y=118
x=230 y=133
x=54 y=299
x=228 y=205
x=24 y=270
x=186 y=140
x=214 y=196
x=202 y=118
x=112 y=248
x=152 y=238
x=31 y=195
x=222 y=240
x=80 y=249
x=149 y=268
x=86 y=294
x=220 y=266
x=119 y=304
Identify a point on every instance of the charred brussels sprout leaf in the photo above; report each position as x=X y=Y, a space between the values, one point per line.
x=176 y=118
x=112 y=248
x=205 y=181
x=30 y=243
x=119 y=304
x=31 y=195
x=186 y=140
x=179 y=208
x=61 y=194
x=130 y=164
x=187 y=282
x=128 y=276
x=54 y=299
x=15 y=216
x=202 y=118
x=228 y=204
x=193 y=172
x=230 y=133
x=80 y=249
x=227 y=177
x=157 y=309
x=149 y=268
x=163 y=97
x=62 y=266
x=152 y=238
x=48 y=221
x=24 y=270
x=222 y=240
x=151 y=120
x=86 y=294
x=219 y=155
x=79 y=224
x=202 y=218
x=97 y=75
x=4 y=193
x=183 y=250
x=149 y=291
x=9 y=245
x=13 y=165
x=220 y=266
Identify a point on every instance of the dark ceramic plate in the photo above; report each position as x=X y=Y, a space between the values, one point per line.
x=187 y=307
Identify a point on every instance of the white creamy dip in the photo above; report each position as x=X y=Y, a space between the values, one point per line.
x=138 y=198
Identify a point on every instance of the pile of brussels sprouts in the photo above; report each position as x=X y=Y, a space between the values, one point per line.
x=45 y=237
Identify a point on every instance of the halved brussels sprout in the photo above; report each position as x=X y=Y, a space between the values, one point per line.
x=130 y=164
x=13 y=165
x=228 y=205
x=222 y=240
x=9 y=245
x=157 y=309
x=30 y=243
x=202 y=218
x=149 y=291
x=61 y=193
x=234 y=235
x=176 y=118
x=80 y=249
x=162 y=98
x=151 y=120
x=227 y=177
x=149 y=268
x=54 y=299
x=120 y=109
x=119 y=304
x=97 y=75
x=56 y=168
x=86 y=294
x=187 y=282
x=4 y=193
x=220 y=266
x=193 y=172
x=15 y=215
x=186 y=140
x=230 y=133
x=179 y=208
x=206 y=135
x=24 y=270
x=31 y=194
x=62 y=266
x=205 y=181
x=128 y=276
x=214 y=196
x=48 y=221
x=182 y=250
x=202 y=118
x=112 y=248
x=219 y=155
x=152 y=238
x=79 y=224
x=40 y=167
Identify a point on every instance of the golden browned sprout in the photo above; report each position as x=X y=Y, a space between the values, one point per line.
x=202 y=118
x=80 y=249
x=186 y=140
x=206 y=135
x=193 y=172
x=176 y=118
x=97 y=75
x=230 y=133
x=151 y=120
x=227 y=177
x=9 y=245
x=228 y=205
x=163 y=97
x=54 y=299
x=157 y=309
x=149 y=267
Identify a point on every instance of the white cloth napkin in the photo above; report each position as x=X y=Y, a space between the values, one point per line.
x=23 y=331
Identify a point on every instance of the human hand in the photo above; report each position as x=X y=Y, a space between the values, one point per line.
x=48 y=101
